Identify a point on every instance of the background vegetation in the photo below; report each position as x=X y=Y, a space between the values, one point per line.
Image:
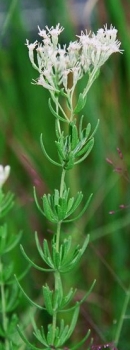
x=24 y=114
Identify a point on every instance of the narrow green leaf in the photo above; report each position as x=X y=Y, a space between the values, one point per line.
x=69 y=163
x=3 y=239
x=46 y=249
x=78 y=345
x=79 y=252
x=36 y=201
x=62 y=325
x=14 y=242
x=74 y=136
x=62 y=336
x=66 y=248
x=66 y=299
x=47 y=156
x=50 y=335
x=6 y=203
x=27 y=297
x=47 y=294
x=56 y=115
x=43 y=336
x=7 y=272
x=58 y=129
x=86 y=149
x=7 y=200
x=82 y=211
x=25 y=340
x=49 y=213
x=73 y=258
x=81 y=127
x=39 y=335
x=56 y=257
x=64 y=205
x=86 y=131
x=13 y=298
x=45 y=255
x=32 y=263
x=56 y=197
x=60 y=150
x=61 y=210
x=73 y=323
x=39 y=246
x=87 y=293
x=95 y=128
x=55 y=301
x=80 y=104
x=23 y=274
x=85 y=244
x=12 y=325
x=70 y=203
x=76 y=203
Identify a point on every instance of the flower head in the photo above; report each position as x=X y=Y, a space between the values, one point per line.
x=4 y=174
x=86 y=55
x=54 y=33
x=98 y=47
x=42 y=33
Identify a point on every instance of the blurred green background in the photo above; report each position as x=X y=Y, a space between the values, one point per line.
x=24 y=114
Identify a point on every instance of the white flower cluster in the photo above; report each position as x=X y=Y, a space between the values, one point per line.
x=87 y=54
x=4 y=174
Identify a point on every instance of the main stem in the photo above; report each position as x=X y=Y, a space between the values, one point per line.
x=57 y=275
x=3 y=306
x=59 y=223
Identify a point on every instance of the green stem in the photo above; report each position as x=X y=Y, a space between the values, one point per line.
x=59 y=223
x=54 y=320
x=57 y=275
x=57 y=284
x=121 y=320
x=62 y=182
x=58 y=106
x=90 y=81
x=58 y=236
x=71 y=104
x=3 y=306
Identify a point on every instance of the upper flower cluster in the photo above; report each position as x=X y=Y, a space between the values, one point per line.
x=87 y=54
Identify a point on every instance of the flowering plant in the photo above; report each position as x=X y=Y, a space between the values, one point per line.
x=60 y=69
x=9 y=291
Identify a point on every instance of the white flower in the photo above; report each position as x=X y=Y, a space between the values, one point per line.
x=4 y=173
x=42 y=33
x=98 y=47
x=74 y=46
x=77 y=74
x=86 y=55
x=73 y=53
x=31 y=48
x=42 y=81
x=54 y=32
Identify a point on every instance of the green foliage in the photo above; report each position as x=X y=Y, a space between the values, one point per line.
x=63 y=260
x=73 y=146
x=9 y=291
